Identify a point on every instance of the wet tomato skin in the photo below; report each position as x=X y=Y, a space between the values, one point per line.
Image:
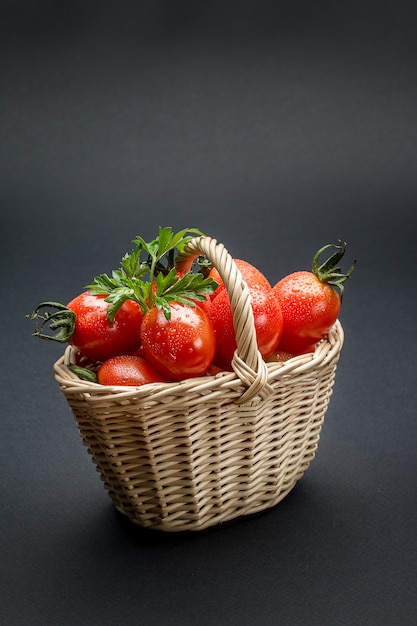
x=267 y=318
x=250 y=274
x=95 y=337
x=309 y=308
x=128 y=370
x=181 y=347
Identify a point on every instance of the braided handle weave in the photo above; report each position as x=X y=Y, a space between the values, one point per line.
x=247 y=361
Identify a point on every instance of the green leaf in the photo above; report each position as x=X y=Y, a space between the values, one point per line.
x=102 y=284
x=167 y=240
x=83 y=373
x=163 y=283
x=117 y=298
x=135 y=277
x=163 y=303
x=164 y=242
x=186 y=289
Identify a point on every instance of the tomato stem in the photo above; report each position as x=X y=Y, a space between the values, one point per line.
x=62 y=319
x=152 y=268
x=329 y=272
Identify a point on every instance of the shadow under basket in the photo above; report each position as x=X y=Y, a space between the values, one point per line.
x=188 y=455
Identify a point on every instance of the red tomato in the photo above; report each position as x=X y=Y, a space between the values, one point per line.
x=309 y=308
x=267 y=318
x=278 y=356
x=214 y=369
x=250 y=274
x=128 y=370
x=95 y=337
x=182 y=347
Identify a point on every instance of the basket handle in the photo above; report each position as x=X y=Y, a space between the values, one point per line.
x=247 y=361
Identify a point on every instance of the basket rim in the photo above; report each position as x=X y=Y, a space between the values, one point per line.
x=325 y=351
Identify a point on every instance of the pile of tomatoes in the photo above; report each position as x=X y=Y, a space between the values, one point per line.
x=141 y=345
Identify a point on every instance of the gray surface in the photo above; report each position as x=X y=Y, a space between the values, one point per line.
x=276 y=130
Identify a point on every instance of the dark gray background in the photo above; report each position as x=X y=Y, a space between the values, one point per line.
x=275 y=127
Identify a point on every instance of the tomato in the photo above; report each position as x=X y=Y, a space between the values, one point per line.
x=267 y=318
x=128 y=370
x=309 y=301
x=250 y=274
x=309 y=308
x=181 y=347
x=214 y=369
x=95 y=337
x=279 y=356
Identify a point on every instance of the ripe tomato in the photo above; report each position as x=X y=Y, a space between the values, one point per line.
x=309 y=308
x=128 y=370
x=182 y=347
x=250 y=274
x=267 y=318
x=95 y=337
x=278 y=356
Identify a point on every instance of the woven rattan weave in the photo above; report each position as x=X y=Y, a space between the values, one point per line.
x=188 y=455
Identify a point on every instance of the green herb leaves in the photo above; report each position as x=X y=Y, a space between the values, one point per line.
x=147 y=275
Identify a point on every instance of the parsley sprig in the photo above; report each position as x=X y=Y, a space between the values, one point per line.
x=147 y=275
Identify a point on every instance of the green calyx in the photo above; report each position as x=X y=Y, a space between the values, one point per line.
x=329 y=272
x=60 y=319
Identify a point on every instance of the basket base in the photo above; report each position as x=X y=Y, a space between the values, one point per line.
x=188 y=455
x=217 y=519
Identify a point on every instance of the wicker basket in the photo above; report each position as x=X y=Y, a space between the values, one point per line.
x=188 y=455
